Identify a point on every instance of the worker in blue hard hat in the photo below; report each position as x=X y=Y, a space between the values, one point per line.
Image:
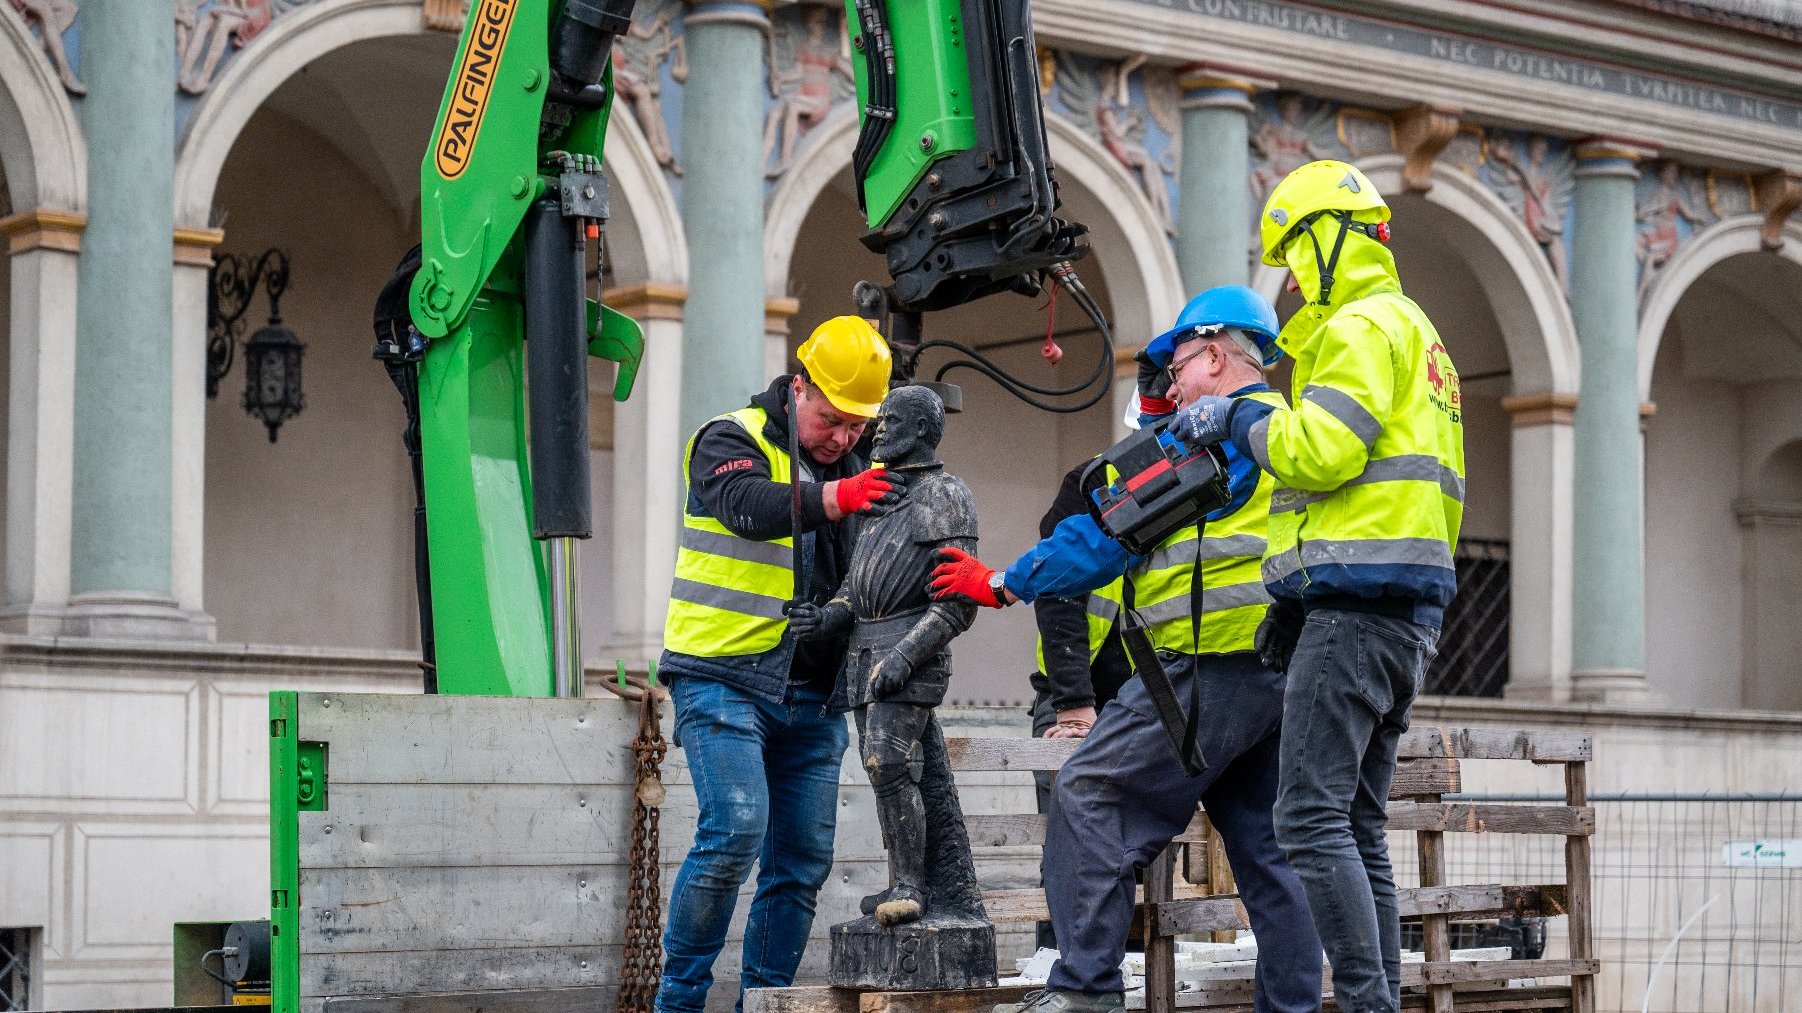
x=1197 y=601
x=1369 y=465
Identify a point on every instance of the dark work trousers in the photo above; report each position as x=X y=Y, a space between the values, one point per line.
x=1352 y=681
x=1123 y=797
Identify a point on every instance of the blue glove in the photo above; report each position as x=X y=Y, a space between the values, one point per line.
x=1205 y=419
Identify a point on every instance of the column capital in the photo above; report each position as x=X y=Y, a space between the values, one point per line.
x=1544 y=408
x=651 y=300
x=194 y=247
x=43 y=229
x=1209 y=86
x=751 y=13
x=777 y=311
x=1611 y=156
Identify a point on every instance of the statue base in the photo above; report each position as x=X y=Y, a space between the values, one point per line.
x=932 y=954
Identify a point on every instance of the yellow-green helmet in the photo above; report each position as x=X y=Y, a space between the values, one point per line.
x=1327 y=185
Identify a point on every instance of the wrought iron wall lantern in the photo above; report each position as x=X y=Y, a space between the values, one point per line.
x=272 y=356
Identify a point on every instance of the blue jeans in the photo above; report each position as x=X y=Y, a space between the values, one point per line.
x=1122 y=797
x=1352 y=681
x=766 y=781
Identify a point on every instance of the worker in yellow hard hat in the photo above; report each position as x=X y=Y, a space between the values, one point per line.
x=751 y=700
x=1369 y=469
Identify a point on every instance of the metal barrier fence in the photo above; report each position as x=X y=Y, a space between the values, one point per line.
x=1697 y=898
x=1473 y=646
x=15 y=969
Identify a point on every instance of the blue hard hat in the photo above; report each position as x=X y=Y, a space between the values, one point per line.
x=1222 y=306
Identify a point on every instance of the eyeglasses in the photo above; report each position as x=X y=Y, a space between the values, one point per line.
x=1176 y=365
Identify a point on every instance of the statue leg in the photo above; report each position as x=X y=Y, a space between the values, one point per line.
x=951 y=887
x=892 y=758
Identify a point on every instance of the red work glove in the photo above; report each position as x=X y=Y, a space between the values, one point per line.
x=962 y=575
x=874 y=488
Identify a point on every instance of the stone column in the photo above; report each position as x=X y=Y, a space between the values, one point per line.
x=1213 y=217
x=647 y=448
x=120 y=560
x=777 y=312
x=1608 y=580
x=44 y=246
x=1539 y=620
x=722 y=205
x=187 y=439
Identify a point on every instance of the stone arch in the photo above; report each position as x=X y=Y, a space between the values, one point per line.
x=42 y=149
x=1518 y=282
x=308 y=33
x=1726 y=238
x=1143 y=281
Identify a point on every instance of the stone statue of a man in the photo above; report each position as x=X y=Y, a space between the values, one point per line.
x=897 y=668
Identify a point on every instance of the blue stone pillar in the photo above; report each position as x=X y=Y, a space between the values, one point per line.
x=1608 y=583
x=722 y=207
x=120 y=570
x=1213 y=217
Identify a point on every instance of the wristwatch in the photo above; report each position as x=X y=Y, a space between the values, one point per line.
x=998 y=587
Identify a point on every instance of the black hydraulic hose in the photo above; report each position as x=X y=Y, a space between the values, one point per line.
x=879 y=84
x=1065 y=276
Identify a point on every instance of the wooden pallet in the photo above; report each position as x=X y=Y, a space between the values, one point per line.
x=1200 y=900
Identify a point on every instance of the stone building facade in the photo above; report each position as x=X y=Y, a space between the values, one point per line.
x=1593 y=200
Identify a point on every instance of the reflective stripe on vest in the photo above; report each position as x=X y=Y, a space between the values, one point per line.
x=1101 y=610
x=728 y=594
x=1388 y=530
x=1233 y=598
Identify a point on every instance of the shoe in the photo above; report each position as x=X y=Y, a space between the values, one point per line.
x=1057 y=1000
x=904 y=904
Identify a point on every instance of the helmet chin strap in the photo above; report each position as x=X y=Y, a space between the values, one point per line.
x=1327 y=265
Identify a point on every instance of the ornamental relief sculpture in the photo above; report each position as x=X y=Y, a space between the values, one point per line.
x=51 y=19
x=209 y=32
x=809 y=73
x=1536 y=178
x=1139 y=128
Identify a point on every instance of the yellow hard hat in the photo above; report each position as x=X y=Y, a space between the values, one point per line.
x=849 y=362
x=1327 y=185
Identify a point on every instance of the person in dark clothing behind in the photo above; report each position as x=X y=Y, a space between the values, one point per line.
x=1082 y=663
x=751 y=700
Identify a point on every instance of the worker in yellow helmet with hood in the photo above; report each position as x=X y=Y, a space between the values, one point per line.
x=1369 y=468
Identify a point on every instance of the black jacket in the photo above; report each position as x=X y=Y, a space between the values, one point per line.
x=729 y=479
x=1070 y=679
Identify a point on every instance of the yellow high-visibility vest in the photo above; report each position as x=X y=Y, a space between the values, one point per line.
x=1233 y=598
x=727 y=598
x=1369 y=462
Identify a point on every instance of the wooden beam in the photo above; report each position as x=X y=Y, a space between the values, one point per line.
x=1427 y=775
x=1009 y=754
x=1201 y=914
x=1541 y=746
x=1457 y=972
x=970 y=1000
x=1490 y=901
x=1576 y=876
x=1465 y=817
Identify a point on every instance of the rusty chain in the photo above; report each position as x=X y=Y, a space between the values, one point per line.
x=642 y=966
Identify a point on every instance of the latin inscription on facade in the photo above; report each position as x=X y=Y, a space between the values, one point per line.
x=1518 y=61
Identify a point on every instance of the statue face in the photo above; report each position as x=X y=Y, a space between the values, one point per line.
x=896 y=435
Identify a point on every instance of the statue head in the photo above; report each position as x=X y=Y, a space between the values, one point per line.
x=909 y=427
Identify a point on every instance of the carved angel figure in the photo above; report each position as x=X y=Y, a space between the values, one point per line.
x=1102 y=101
x=809 y=72
x=638 y=58
x=203 y=38
x=1287 y=142
x=1670 y=198
x=53 y=18
x=1537 y=184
